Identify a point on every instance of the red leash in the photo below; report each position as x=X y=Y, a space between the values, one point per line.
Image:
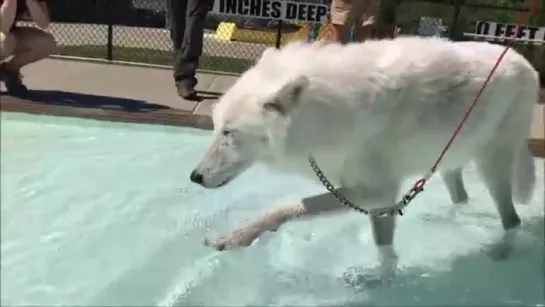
x=534 y=6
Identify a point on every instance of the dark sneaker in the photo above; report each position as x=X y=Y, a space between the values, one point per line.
x=13 y=81
x=187 y=93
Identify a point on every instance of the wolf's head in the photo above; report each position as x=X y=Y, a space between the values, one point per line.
x=250 y=123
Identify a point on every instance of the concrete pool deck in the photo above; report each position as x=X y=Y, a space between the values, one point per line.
x=141 y=94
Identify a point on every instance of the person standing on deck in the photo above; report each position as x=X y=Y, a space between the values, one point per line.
x=186 y=19
x=24 y=44
x=364 y=15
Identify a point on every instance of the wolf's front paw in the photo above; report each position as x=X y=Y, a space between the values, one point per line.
x=241 y=237
x=360 y=279
x=503 y=249
x=246 y=235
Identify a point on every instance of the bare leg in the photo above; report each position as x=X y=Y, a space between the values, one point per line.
x=455 y=185
x=343 y=15
x=8 y=77
x=272 y=219
x=7 y=45
x=32 y=44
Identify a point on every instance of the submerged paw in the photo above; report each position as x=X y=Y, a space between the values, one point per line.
x=359 y=278
x=219 y=244
x=501 y=251
x=238 y=238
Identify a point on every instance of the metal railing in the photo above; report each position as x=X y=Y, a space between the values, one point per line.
x=136 y=30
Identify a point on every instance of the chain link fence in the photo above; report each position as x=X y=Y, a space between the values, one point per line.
x=464 y=20
x=136 y=30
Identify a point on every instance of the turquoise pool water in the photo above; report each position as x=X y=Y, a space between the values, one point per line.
x=96 y=213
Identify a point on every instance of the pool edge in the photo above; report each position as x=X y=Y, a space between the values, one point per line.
x=169 y=117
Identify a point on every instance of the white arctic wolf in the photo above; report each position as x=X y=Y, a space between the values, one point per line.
x=372 y=114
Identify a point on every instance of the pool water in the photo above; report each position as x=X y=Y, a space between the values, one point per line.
x=96 y=213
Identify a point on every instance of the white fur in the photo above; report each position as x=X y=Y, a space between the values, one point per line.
x=374 y=113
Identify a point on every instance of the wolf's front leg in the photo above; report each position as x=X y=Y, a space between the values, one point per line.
x=383 y=233
x=272 y=219
x=245 y=235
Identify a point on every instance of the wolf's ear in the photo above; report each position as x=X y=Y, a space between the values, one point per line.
x=288 y=96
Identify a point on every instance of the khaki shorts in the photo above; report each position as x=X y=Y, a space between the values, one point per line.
x=348 y=12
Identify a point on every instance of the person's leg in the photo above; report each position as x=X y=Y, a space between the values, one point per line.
x=368 y=14
x=363 y=31
x=7 y=49
x=342 y=18
x=7 y=45
x=387 y=27
x=33 y=45
x=28 y=45
x=176 y=13
x=325 y=33
x=191 y=47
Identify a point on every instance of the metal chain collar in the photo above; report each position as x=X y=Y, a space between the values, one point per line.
x=397 y=209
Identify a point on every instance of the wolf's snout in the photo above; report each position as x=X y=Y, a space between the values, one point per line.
x=196 y=177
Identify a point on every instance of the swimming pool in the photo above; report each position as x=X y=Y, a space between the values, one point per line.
x=97 y=213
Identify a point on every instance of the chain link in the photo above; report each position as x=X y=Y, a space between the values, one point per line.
x=397 y=209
